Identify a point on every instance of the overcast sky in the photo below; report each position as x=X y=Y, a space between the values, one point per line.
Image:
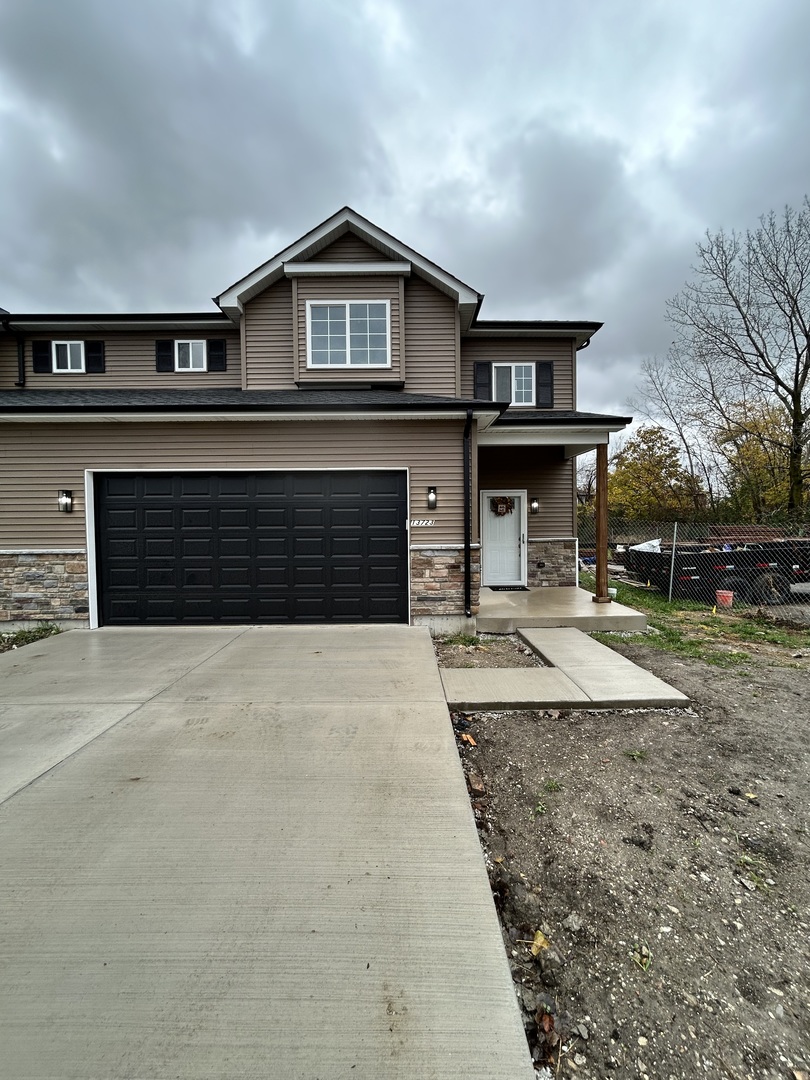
x=561 y=157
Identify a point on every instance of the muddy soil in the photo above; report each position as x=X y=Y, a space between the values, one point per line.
x=493 y=650
x=664 y=858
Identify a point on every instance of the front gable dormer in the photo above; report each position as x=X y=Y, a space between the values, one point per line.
x=333 y=309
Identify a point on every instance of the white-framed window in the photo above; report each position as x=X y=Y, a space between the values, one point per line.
x=513 y=383
x=68 y=355
x=348 y=333
x=189 y=356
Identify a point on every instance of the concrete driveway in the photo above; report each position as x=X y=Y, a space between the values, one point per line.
x=242 y=853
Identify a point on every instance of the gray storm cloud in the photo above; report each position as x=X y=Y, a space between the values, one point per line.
x=563 y=159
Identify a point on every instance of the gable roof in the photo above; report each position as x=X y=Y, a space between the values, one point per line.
x=233 y=299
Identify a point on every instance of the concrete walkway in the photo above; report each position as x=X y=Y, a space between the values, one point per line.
x=583 y=674
x=243 y=853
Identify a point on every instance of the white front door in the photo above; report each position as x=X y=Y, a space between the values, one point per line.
x=503 y=537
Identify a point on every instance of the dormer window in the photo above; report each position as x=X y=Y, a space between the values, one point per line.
x=348 y=333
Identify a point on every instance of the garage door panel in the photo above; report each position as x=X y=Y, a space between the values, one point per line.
x=252 y=547
x=196 y=548
x=234 y=485
x=123 y=549
x=153 y=579
x=234 y=547
x=197 y=518
x=122 y=519
x=158 y=519
x=159 y=549
x=344 y=547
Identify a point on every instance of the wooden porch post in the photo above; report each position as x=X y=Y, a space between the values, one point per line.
x=601 y=596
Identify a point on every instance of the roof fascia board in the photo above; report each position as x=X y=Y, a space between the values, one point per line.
x=33 y=324
x=505 y=333
x=485 y=417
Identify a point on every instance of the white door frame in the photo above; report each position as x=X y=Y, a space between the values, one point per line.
x=484 y=511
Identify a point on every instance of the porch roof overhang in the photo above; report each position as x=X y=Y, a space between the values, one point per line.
x=231 y=404
x=576 y=433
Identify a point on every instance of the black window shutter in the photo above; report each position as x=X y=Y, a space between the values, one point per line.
x=164 y=356
x=216 y=356
x=544 y=391
x=41 y=357
x=94 y=357
x=483 y=381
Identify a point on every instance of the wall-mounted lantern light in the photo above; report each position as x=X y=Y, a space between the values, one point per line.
x=431 y=498
x=534 y=506
x=65 y=502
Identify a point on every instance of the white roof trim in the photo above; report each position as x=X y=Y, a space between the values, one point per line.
x=233 y=299
x=301 y=269
x=112 y=417
x=576 y=439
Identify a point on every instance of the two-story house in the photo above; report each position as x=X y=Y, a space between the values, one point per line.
x=343 y=440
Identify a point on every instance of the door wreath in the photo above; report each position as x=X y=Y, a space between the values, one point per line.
x=501 y=505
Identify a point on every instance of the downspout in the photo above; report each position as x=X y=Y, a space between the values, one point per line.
x=467 y=514
x=20 y=353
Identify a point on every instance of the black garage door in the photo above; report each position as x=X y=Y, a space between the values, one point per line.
x=252 y=547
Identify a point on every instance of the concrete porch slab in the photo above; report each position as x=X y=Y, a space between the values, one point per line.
x=504 y=612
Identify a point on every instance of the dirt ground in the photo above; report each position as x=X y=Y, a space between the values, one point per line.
x=657 y=862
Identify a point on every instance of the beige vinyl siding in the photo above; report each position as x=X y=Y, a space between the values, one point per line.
x=430 y=340
x=347 y=287
x=544 y=473
x=268 y=322
x=130 y=364
x=349 y=248
x=8 y=363
x=560 y=352
x=39 y=460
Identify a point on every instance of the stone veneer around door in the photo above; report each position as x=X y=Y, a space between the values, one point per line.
x=551 y=562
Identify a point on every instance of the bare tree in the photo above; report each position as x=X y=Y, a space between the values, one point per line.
x=666 y=397
x=743 y=331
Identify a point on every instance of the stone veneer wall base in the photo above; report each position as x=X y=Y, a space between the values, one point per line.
x=43 y=586
x=437 y=588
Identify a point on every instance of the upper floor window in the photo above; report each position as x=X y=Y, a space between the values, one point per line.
x=68 y=355
x=189 y=356
x=348 y=333
x=514 y=383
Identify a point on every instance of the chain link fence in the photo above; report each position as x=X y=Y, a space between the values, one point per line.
x=739 y=566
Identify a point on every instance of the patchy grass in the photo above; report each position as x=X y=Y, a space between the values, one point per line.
x=636 y=755
x=691 y=629
x=17 y=638
x=461 y=639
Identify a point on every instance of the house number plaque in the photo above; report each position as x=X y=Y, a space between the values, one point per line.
x=422 y=521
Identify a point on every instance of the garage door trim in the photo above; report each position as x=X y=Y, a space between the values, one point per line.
x=94 y=598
